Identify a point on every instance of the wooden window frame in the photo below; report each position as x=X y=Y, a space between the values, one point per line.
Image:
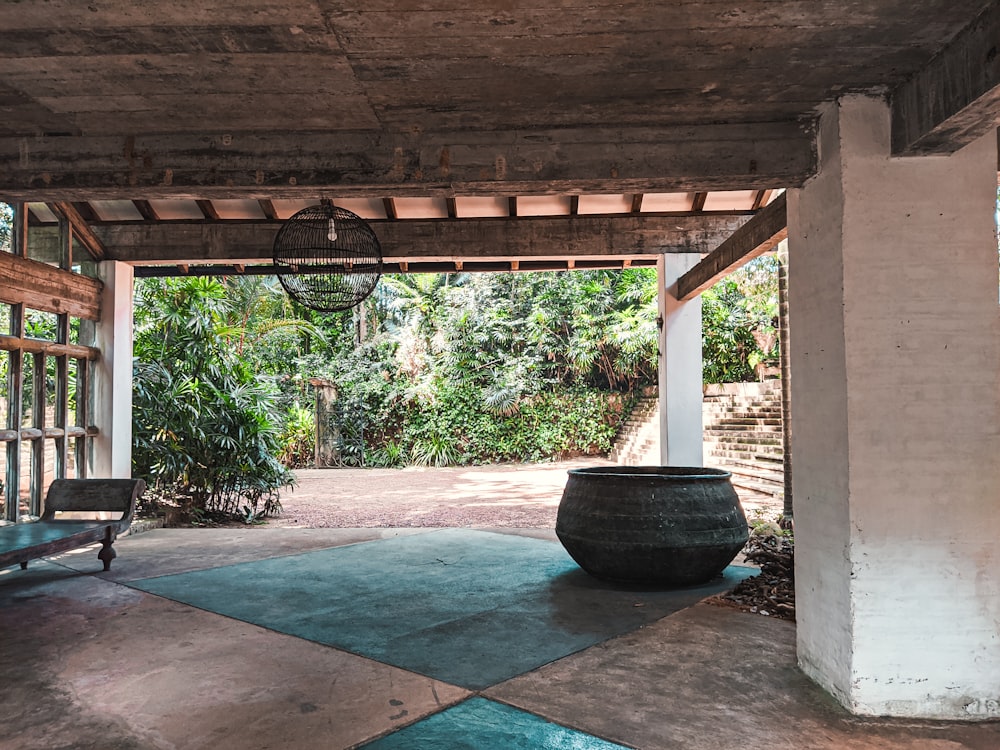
x=29 y=284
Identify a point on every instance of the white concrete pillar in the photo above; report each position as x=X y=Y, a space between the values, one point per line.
x=112 y=450
x=680 y=366
x=895 y=346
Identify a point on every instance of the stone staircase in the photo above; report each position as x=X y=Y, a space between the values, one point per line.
x=638 y=441
x=742 y=434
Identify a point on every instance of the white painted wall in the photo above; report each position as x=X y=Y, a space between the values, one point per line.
x=895 y=345
x=680 y=366
x=112 y=449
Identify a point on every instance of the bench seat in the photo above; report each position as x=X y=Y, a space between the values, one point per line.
x=53 y=533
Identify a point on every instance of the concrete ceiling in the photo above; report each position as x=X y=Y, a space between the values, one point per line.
x=283 y=101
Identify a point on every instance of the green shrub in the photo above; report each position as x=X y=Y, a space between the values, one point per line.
x=204 y=427
x=298 y=438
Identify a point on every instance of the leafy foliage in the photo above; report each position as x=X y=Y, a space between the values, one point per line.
x=432 y=369
x=204 y=426
x=739 y=323
x=476 y=368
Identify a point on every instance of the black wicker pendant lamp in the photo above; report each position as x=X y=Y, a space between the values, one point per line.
x=327 y=258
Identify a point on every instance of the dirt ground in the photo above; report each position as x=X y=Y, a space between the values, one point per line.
x=507 y=495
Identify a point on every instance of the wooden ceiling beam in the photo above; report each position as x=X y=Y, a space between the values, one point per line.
x=955 y=98
x=41 y=286
x=698 y=202
x=146 y=210
x=760 y=199
x=362 y=164
x=762 y=233
x=267 y=208
x=633 y=235
x=390 y=208
x=485 y=266
x=86 y=211
x=81 y=229
x=208 y=210
x=637 y=203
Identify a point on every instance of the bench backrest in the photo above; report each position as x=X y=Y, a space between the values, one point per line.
x=115 y=495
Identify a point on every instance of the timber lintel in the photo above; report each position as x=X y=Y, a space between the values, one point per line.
x=412 y=240
x=47 y=288
x=762 y=233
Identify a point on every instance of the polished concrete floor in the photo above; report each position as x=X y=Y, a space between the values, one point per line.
x=416 y=638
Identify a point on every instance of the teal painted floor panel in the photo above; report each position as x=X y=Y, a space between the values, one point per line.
x=480 y=724
x=468 y=607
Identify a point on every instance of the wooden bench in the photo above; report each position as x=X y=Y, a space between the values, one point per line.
x=54 y=532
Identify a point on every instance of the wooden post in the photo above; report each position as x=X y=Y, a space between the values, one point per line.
x=15 y=377
x=37 y=484
x=327 y=434
x=786 y=377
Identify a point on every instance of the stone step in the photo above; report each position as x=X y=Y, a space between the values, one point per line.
x=768 y=476
x=745 y=437
x=761 y=452
x=765 y=488
x=741 y=415
x=744 y=414
x=717 y=404
x=765 y=425
x=769 y=465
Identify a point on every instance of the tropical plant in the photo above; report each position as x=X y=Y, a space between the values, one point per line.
x=298 y=438
x=204 y=426
x=739 y=323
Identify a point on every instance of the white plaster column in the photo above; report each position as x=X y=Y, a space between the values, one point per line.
x=680 y=366
x=112 y=450
x=895 y=347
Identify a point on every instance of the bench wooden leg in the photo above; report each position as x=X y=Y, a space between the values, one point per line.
x=107 y=553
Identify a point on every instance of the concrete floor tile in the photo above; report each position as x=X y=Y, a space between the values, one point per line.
x=88 y=663
x=467 y=607
x=712 y=678
x=479 y=724
x=167 y=551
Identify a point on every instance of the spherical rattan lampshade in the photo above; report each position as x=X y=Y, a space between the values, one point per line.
x=327 y=258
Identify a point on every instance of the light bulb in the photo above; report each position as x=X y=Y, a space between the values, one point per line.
x=331 y=231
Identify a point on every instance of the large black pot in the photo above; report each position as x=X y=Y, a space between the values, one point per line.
x=666 y=525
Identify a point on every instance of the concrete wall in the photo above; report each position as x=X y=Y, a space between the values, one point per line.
x=895 y=345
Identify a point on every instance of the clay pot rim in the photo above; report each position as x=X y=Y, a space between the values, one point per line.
x=669 y=473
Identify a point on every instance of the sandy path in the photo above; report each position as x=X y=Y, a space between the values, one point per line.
x=507 y=495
